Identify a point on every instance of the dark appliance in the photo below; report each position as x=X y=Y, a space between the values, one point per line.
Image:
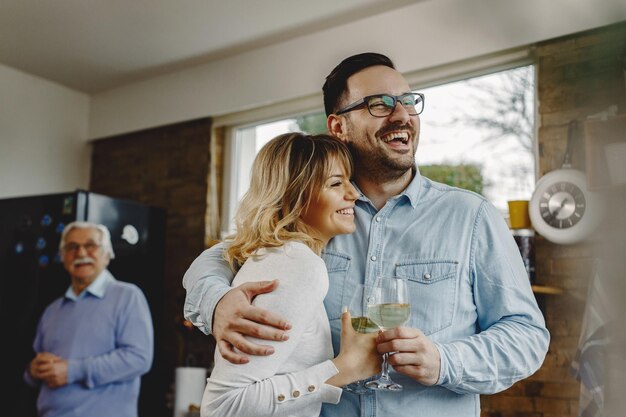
x=32 y=276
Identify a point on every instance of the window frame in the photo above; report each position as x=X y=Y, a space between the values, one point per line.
x=235 y=149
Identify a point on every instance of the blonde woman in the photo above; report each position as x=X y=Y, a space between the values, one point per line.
x=300 y=197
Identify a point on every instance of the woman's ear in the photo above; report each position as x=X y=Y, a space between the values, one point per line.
x=335 y=126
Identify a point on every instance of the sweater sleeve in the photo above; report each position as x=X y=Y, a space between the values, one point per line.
x=256 y=388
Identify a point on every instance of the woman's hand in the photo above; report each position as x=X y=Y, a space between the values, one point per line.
x=358 y=357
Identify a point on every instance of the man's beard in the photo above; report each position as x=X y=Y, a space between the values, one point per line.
x=380 y=166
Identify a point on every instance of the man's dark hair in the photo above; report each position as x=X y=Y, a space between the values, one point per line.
x=336 y=82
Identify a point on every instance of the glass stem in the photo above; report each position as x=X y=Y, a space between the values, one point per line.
x=385 y=368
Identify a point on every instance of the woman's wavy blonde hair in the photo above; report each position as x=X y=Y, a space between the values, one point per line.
x=288 y=172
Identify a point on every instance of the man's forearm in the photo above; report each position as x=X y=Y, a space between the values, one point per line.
x=201 y=301
x=206 y=281
x=494 y=359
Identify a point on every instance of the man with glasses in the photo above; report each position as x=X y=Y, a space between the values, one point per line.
x=475 y=327
x=93 y=344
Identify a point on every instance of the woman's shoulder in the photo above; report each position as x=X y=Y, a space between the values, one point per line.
x=298 y=248
x=291 y=251
x=293 y=258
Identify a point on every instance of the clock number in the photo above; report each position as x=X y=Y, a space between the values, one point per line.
x=562 y=205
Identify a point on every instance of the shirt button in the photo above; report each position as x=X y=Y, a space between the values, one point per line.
x=373 y=258
x=296 y=394
x=378 y=219
x=311 y=388
x=426 y=275
x=281 y=397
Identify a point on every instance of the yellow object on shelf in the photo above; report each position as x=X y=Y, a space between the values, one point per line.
x=544 y=289
x=518 y=214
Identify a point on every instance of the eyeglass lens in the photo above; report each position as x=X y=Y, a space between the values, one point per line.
x=74 y=247
x=384 y=105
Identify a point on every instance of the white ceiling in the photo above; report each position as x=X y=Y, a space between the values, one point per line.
x=95 y=45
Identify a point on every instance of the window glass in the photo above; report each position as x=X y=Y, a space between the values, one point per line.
x=475 y=133
x=487 y=124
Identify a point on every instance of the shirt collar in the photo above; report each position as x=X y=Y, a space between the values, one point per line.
x=97 y=288
x=412 y=192
x=415 y=187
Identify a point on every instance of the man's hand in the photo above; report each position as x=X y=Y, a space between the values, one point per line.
x=235 y=317
x=416 y=356
x=41 y=363
x=56 y=375
x=49 y=368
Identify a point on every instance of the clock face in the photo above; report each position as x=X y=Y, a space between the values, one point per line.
x=562 y=209
x=562 y=205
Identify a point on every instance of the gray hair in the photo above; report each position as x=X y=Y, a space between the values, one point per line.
x=105 y=236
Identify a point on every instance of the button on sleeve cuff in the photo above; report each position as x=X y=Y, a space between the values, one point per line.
x=302 y=385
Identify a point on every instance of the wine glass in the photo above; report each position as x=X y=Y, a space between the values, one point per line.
x=388 y=307
x=361 y=324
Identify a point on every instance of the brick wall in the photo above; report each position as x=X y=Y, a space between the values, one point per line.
x=168 y=167
x=577 y=76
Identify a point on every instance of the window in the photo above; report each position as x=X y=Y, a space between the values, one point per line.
x=476 y=133
x=251 y=139
x=485 y=122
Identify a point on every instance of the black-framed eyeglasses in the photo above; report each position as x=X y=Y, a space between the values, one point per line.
x=382 y=105
x=75 y=247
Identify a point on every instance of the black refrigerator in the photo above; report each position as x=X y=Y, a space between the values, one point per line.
x=32 y=276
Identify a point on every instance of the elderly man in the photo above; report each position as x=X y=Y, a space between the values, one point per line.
x=92 y=344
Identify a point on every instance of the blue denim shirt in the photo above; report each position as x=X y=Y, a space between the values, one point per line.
x=469 y=293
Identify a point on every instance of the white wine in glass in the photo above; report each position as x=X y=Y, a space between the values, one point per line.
x=363 y=324
x=389 y=315
x=388 y=307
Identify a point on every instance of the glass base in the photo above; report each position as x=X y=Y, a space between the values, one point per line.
x=356 y=388
x=384 y=384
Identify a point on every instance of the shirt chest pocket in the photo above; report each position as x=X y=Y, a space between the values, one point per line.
x=432 y=286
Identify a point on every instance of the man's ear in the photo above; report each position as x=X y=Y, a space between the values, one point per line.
x=335 y=126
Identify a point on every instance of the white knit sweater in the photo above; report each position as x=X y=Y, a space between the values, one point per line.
x=289 y=382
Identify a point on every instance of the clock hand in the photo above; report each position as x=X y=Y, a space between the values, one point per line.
x=556 y=212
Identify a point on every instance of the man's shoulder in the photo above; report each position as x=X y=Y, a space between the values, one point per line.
x=55 y=304
x=124 y=287
x=434 y=190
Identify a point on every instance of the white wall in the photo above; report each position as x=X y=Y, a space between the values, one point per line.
x=419 y=36
x=43 y=131
x=45 y=128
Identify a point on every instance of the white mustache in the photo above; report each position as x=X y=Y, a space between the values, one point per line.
x=84 y=260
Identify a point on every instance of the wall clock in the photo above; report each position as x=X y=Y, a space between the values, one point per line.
x=562 y=209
